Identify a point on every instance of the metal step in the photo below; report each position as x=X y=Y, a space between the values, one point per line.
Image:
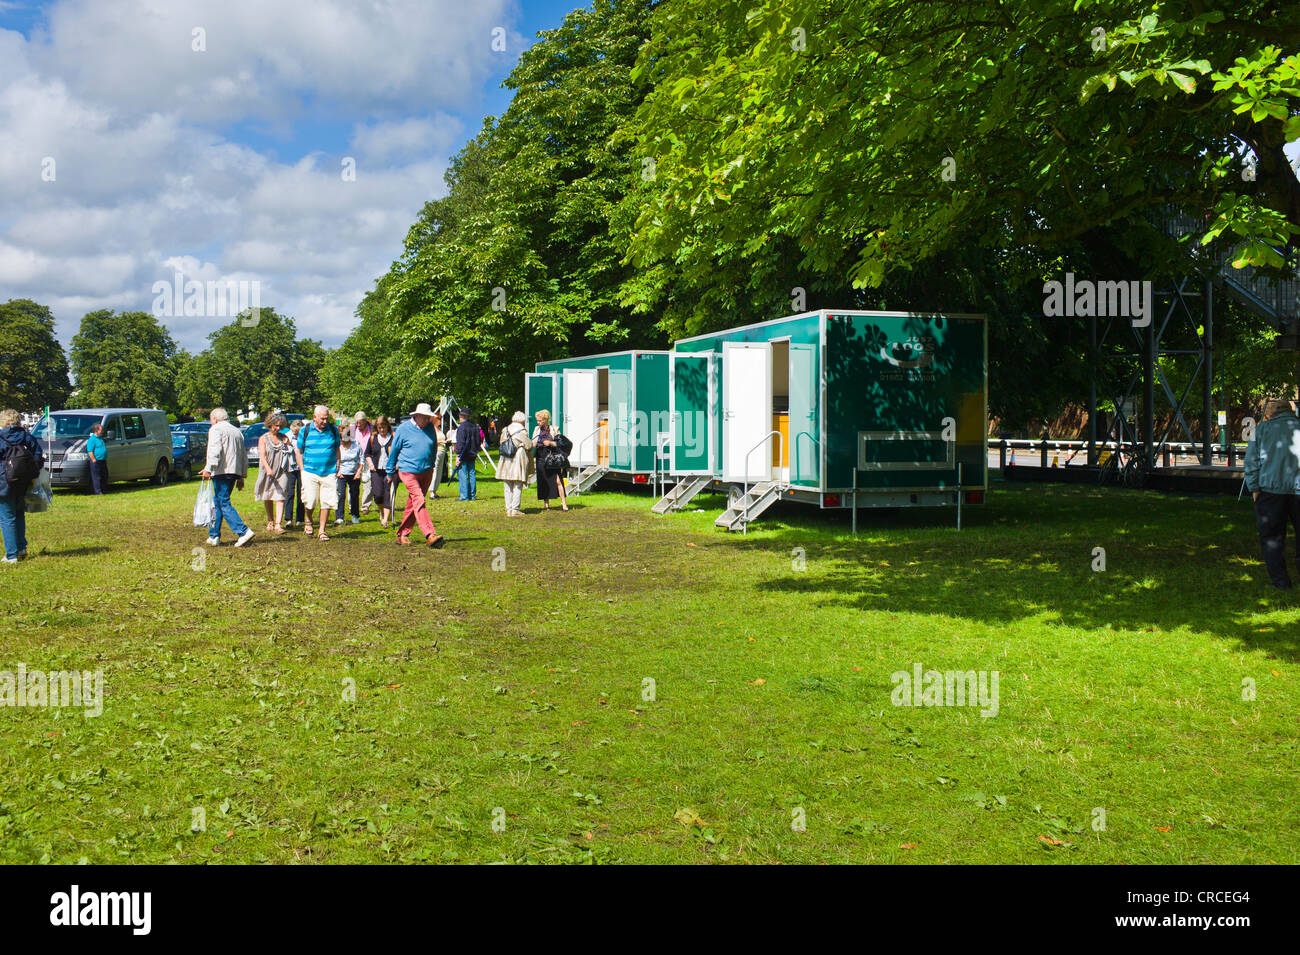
x=587 y=477
x=749 y=506
x=681 y=493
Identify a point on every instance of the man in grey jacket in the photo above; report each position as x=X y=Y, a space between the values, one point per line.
x=1272 y=476
x=227 y=465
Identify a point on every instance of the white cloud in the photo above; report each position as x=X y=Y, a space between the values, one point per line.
x=405 y=139
x=261 y=58
x=160 y=153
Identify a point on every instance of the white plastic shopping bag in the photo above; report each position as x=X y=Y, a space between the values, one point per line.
x=205 y=504
x=39 y=496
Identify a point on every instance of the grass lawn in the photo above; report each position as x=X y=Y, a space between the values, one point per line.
x=517 y=696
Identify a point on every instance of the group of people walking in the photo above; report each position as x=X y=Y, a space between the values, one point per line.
x=309 y=470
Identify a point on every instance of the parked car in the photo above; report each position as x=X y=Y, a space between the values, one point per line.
x=138 y=441
x=253 y=434
x=189 y=453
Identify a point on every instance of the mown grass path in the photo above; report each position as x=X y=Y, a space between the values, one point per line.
x=506 y=714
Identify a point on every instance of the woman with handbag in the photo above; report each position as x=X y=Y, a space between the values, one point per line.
x=272 y=487
x=513 y=468
x=551 y=462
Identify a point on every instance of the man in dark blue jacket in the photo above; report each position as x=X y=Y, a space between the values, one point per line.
x=15 y=442
x=469 y=441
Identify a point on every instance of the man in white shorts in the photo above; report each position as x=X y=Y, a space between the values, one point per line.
x=318 y=459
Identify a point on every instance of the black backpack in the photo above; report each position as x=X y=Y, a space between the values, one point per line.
x=21 y=468
x=507 y=446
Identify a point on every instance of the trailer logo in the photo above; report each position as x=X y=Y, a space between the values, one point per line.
x=912 y=353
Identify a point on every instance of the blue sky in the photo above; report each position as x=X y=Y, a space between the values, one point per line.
x=209 y=139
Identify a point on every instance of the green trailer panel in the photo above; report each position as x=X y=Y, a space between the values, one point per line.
x=805 y=423
x=692 y=409
x=905 y=401
x=620 y=410
x=541 y=392
x=651 y=405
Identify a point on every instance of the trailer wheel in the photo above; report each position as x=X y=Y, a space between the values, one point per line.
x=734 y=493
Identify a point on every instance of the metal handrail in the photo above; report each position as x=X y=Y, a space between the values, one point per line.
x=815 y=442
x=662 y=468
x=578 y=444
x=781 y=446
x=1072 y=443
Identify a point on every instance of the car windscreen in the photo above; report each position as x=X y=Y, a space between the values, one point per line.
x=180 y=440
x=66 y=426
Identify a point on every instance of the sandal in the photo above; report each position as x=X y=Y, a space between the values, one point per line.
x=277 y=529
x=437 y=540
x=322 y=536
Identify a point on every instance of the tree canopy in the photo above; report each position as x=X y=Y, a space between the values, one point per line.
x=876 y=135
x=677 y=167
x=521 y=260
x=373 y=371
x=33 y=367
x=124 y=359
x=263 y=365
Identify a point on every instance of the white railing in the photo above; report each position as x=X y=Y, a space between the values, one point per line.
x=579 y=444
x=1233 y=452
x=744 y=499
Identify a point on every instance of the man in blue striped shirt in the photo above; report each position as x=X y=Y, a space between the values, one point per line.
x=318 y=461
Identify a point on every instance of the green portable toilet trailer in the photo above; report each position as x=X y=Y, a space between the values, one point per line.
x=838 y=408
x=612 y=406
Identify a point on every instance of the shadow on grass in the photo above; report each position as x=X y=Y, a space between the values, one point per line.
x=1171 y=563
x=69 y=551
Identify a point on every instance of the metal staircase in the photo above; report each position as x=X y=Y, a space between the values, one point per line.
x=682 y=493
x=587 y=477
x=744 y=509
x=1273 y=296
x=1132 y=364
